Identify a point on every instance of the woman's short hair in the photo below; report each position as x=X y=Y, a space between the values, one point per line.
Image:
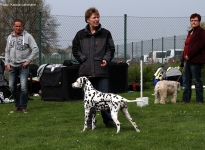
x=89 y=13
x=195 y=15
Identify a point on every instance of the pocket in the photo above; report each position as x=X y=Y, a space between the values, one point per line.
x=98 y=61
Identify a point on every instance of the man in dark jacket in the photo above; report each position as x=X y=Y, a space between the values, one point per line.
x=93 y=48
x=193 y=58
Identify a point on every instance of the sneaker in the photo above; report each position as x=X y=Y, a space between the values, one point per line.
x=199 y=102
x=24 y=111
x=15 y=110
x=110 y=125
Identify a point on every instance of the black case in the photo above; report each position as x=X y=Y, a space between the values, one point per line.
x=56 y=85
x=118 y=74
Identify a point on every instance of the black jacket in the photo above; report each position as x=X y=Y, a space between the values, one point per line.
x=90 y=49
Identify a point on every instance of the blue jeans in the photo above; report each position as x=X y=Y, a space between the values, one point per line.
x=192 y=71
x=101 y=84
x=19 y=92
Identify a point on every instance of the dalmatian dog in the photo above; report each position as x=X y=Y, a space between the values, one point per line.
x=97 y=101
x=165 y=88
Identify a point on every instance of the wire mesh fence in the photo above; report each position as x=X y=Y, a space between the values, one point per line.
x=152 y=39
x=134 y=37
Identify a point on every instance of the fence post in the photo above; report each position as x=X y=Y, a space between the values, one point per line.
x=152 y=51
x=174 y=47
x=39 y=37
x=117 y=52
x=141 y=51
x=125 y=37
x=162 y=50
x=132 y=50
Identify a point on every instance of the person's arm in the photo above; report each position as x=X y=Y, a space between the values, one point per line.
x=7 y=54
x=76 y=49
x=34 y=49
x=7 y=51
x=198 y=45
x=110 y=49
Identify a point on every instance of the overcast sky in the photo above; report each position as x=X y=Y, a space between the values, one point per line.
x=140 y=8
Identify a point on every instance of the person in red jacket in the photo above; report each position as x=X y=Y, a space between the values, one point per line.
x=192 y=60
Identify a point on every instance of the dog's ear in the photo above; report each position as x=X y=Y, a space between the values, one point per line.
x=84 y=79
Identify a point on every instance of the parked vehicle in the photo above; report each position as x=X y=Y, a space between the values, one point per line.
x=145 y=58
x=173 y=55
x=156 y=57
x=56 y=56
x=135 y=60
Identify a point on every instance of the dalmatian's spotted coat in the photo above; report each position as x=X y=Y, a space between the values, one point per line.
x=97 y=101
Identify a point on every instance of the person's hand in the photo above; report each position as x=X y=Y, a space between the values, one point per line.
x=103 y=63
x=8 y=67
x=186 y=57
x=25 y=64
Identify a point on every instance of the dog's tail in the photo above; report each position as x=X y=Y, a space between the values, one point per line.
x=126 y=100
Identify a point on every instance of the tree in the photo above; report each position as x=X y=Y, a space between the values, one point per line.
x=203 y=25
x=29 y=11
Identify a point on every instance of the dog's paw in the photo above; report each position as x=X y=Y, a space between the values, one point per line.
x=156 y=102
x=93 y=127
x=137 y=130
x=162 y=103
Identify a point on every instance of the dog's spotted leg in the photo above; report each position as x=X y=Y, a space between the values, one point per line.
x=114 y=114
x=127 y=115
x=87 y=111
x=93 y=120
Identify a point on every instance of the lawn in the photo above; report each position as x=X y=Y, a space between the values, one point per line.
x=58 y=125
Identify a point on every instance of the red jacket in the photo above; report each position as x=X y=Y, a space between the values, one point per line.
x=196 y=46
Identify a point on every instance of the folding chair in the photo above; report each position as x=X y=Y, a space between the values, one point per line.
x=4 y=85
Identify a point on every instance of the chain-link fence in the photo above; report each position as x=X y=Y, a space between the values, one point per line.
x=134 y=37
x=151 y=39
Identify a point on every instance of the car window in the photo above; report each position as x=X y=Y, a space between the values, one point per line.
x=168 y=53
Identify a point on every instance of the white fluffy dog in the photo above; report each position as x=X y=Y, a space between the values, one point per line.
x=165 y=88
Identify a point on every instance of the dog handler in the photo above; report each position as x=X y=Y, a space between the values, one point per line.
x=93 y=48
x=192 y=59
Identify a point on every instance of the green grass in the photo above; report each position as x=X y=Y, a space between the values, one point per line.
x=58 y=126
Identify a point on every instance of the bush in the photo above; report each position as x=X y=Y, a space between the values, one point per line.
x=134 y=74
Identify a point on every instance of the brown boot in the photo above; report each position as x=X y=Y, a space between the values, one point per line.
x=15 y=110
x=24 y=111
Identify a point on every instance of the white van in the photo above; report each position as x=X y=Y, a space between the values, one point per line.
x=173 y=55
x=156 y=57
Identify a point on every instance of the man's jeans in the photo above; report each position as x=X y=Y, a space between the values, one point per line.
x=192 y=71
x=101 y=84
x=19 y=92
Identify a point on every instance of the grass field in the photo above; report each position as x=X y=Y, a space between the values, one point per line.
x=58 y=126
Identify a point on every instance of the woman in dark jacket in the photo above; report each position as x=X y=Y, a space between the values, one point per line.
x=93 y=48
x=193 y=58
